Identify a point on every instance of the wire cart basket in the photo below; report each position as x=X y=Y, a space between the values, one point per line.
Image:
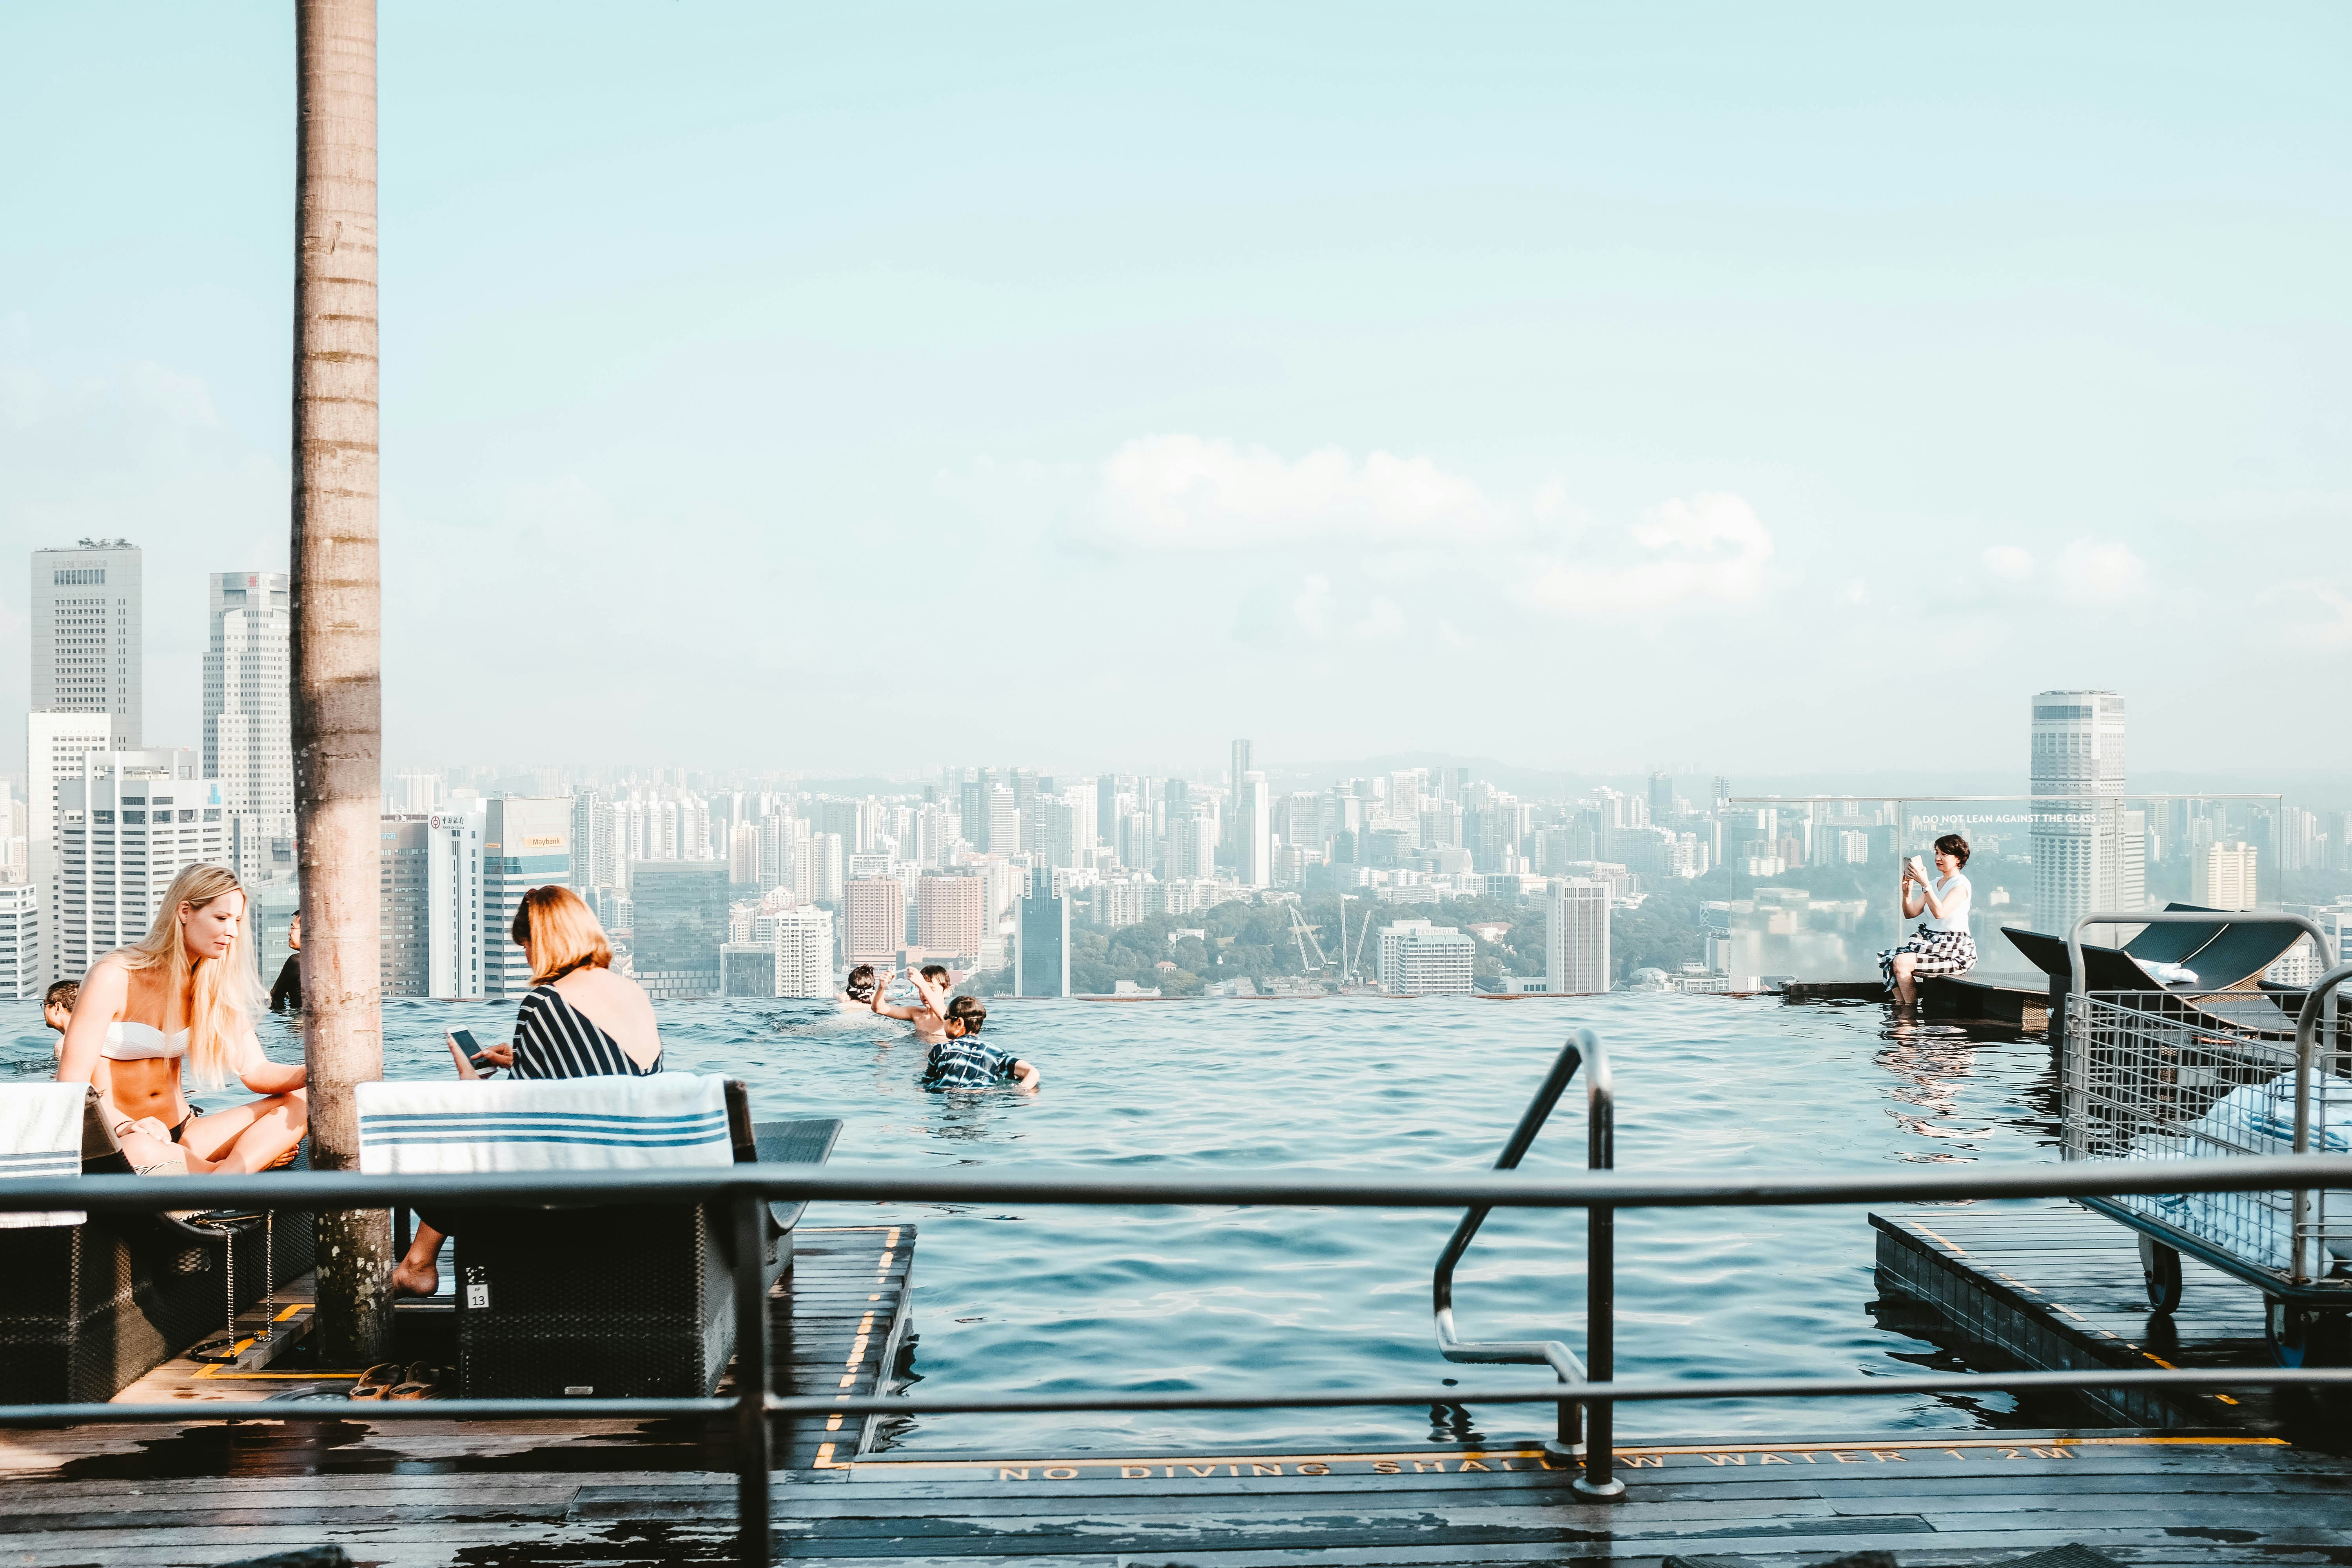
x=2264 y=1073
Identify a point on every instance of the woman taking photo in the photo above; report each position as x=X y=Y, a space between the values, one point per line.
x=578 y=1020
x=1942 y=944
x=186 y=997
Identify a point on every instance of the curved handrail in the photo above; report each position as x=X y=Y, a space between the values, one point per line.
x=1583 y=1048
x=2319 y=1004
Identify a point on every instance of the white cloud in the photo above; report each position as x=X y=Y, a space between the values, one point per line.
x=2009 y=561
x=2333 y=632
x=1185 y=492
x=1709 y=550
x=1313 y=605
x=2095 y=572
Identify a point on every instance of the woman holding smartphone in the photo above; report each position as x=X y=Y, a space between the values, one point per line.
x=1942 y=944
x=578 y=1020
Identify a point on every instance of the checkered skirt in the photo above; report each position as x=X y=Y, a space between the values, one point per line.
x=1937 y=953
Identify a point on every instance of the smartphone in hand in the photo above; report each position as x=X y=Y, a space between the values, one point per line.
x=472 y=1059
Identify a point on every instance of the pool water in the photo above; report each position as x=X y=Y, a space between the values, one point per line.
x=1074 y=1298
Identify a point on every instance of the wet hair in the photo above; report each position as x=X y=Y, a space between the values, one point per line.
x=61 y=993
x=860 y=984
x=938 y=971
x=968 y=1010
x=560 y=932
x=1954 y=845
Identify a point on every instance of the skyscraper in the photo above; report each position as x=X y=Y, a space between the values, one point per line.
x=680 y=909
x=54 y=745
x=1576 y=937
x=129 y=823
x=453 y=870
x=874 y=919
x=2078 y=782
x=805 y=952
x=951 y=915
x=404 y=911
x=526 y=844
x=248 y=697
x=87 y=647
x=1041 y=948
x=2223 y=877
x=1255 y=819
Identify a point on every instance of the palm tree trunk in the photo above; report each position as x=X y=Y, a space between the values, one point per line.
x=337 y=686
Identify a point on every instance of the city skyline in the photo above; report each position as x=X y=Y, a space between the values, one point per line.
x=1660 y=382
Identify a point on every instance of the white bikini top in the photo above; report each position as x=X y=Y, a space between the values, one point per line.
x=130 y=1042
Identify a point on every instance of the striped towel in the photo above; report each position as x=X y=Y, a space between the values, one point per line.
x=467 y=1126
x=40 y=1135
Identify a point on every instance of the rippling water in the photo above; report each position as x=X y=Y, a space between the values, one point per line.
x=1071 y=1299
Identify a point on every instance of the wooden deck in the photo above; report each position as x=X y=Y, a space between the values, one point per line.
x=620 y=1494
x=2143 y=1500
x=2056 y=1287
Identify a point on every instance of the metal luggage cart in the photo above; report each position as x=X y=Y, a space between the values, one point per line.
x=2184 y=1075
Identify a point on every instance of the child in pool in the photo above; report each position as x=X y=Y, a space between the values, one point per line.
x=961 y=1061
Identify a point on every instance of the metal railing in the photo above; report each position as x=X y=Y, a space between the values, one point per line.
x=1598 y=1481
x=743 y=1188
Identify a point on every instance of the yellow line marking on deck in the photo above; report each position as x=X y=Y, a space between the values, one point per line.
x=1923 y=1230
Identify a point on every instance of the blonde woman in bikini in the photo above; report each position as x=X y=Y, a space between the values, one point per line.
x=184 y=997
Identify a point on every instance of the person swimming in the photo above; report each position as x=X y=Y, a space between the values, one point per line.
x=858 y=992
x=929 y=1017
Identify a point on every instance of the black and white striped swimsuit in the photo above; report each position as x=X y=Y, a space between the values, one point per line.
x=555 y=1039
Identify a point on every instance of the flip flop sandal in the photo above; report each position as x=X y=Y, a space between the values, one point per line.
x=411 y=1390
x=378 y=1379
x=424 y=1371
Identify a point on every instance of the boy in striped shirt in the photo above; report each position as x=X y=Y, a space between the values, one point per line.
x=961 y=1061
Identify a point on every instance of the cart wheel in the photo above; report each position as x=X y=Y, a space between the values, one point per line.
x=2160 y=1266
x=2304 y=1336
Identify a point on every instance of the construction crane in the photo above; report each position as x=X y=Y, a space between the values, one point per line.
x=1352 y=967
x=1304 y=935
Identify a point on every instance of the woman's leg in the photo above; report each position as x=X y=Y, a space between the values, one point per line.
x=419 y=1273
x=247 y=1137
x=1906 y=993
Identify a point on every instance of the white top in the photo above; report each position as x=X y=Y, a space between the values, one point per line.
x=129 y=1041
x=1952 y=892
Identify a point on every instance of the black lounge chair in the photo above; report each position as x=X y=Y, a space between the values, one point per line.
x=627 y=1301
x=2229 y=958
x=88 y=1310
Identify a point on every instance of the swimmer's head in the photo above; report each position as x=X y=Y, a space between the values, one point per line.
x=861 y=983
x=936 y=974
x=965 y=1015
x=58 y=1004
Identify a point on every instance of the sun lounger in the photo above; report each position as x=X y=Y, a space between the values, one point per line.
x=87 y=1309
x=2227 y=958
x=632 y=1300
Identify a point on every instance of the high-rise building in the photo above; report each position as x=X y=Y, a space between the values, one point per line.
x=54 y=745
x=129 y=823
x=2223 y=877
x=1232 y=827
x=873 y=919
x=747 y=968
x=1254 y=813
x=805 y=952
x=453 y=872
x=1040 y=947
x=1662 y=798
x=526 y=844
x=1419 y=958
x=817 y=868
x=20 y=941
x=743 y=854
x=2077 y=784
x=951 y=915
x=678 y=912
x=88 y=651
x=1004 y=822
x=249 y=696
x=1576 y=937
x=416 y=793
x=404 y=906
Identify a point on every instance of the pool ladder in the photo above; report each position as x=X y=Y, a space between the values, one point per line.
x=1598 y=1482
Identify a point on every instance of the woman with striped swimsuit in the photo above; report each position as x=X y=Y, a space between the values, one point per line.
x=578 y=1020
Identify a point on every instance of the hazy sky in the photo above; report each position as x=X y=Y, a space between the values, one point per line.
x=867 y=388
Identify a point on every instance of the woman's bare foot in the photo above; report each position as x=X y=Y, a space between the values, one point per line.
x=410 y=1279
x=419 y=1273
